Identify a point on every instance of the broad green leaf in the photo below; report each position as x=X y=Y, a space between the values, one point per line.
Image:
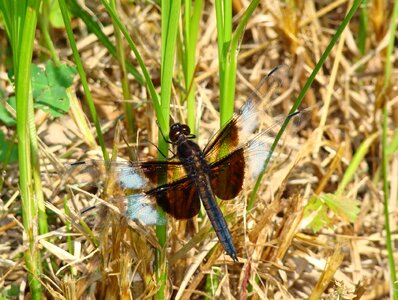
x=39 y=80
x=62 y=75
x=49 y=87
x=53 y=100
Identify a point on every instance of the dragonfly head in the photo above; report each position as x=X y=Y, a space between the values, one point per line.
x=178 y=129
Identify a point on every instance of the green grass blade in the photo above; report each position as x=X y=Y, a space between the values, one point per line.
x=44 y=28
x=387 y=78
x=23 y=34
x=127 y=105
x=227 y=101
x=355 y=162
x=147 y=78
x=38 y=187
x=221 y=44
x=95 y=28
x=363 y=28
x=191 y=29
x=389 y=242
x=300 y=98
x=170 y=15
x=83 y=78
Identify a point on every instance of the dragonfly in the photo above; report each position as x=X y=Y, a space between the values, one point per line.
x=193 y=175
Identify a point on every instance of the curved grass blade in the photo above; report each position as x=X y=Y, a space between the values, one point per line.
x=300 y=98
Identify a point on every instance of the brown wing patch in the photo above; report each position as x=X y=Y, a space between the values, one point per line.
x=179 y=198
x=227 y=175
x=162 y=171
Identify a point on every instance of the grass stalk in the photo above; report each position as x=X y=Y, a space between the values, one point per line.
x=386 y=85
x=170 y=16
x=148 y=82
x=227 y=101
x=300 y=97
x=38 y=187
x=355 y=162
x=44 y=29
x=228 y=49
x=389 y=245
x=94 y=27
x=127 y=105
x=82 y=74
x=363 y=27
x=22 y=39
x=191 y=29
x=224 y=35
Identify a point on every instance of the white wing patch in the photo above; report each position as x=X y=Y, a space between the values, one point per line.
x=139 y=208
x=130 y=179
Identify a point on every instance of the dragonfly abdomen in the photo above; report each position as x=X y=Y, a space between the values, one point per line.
x=215 y=216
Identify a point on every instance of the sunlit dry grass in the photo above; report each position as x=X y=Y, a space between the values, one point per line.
x=101 y=255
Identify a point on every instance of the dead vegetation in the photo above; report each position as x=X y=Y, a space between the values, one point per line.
x=101 y=255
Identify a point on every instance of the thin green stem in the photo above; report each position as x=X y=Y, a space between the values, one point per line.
x=227 y=16
x=355 y=162
x=127 y=105
x=227 y=101
x=389 y=245
x=363 y=27
x=386 y=84
x=22 y=58
x=38 y=187
x=170 y=16
x=191 y=29
x=94 y=27
x=303 y=92
x=220 y=44
x=44 y=27
x=82 y=74
x=149 y=84
x=228 y=70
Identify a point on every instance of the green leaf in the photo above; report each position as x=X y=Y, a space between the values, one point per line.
x=321 y=219
x=54 y=101
x=10 y=292
x=39 y=80
x=343 y=208
x=5 y=116
x=62 y=75
x=56 y=15
x=4 y=149
x=49 y=87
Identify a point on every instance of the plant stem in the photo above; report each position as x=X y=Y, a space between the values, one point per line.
x=300 y=98
x=82 y=74
x=386 y=85
x=128 y=108
x=22 y=57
